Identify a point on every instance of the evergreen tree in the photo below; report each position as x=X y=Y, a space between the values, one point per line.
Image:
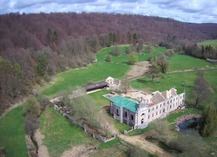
x=42 y=64
x=209 y=123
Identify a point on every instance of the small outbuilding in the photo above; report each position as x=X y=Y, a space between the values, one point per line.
x=95 y=86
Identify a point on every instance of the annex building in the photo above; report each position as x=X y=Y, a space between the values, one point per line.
x=140 y=108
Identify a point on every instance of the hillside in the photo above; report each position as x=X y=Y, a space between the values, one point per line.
x=35 y=46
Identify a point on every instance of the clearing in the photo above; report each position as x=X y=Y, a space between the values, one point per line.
x=97 y=71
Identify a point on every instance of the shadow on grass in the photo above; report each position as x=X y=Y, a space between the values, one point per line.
x=144 y=81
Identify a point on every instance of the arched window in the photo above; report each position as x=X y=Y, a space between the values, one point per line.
x=142 y=121
x=143 y=114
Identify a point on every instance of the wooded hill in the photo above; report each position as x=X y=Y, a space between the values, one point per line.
x=34 y=46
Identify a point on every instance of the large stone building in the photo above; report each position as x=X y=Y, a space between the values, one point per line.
x=141 y=108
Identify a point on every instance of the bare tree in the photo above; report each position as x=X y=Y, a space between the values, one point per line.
x=31 y=125
x=201 y=90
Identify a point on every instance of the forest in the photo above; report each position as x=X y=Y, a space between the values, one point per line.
x=36 y=46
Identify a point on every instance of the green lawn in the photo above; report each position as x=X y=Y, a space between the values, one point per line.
x=12 y=133
x=209 y=42
x=121 y=126
x=60 y=134
x=124 y=58
x=178 y=80
x=99 y=99
x=97 y=71
x=79 y=77
x=141 y=131
x=182 y=62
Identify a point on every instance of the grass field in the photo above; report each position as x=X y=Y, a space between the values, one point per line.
x=12 y=133
x=209 y=42
x=61 y=135
x=124 y=58
x=97 y=71
x=183 y=62
x=99 y=99
x=82 y=76
x=178 y=80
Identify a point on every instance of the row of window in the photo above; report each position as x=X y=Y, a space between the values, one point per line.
x=160 y=106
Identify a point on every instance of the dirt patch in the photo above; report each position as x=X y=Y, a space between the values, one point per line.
x=78 y=151
x=138 y=69
x=144 y=144
x=42 y=151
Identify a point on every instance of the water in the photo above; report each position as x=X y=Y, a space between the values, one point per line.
x=189 y=124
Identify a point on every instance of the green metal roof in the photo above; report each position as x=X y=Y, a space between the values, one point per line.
x=124 y=102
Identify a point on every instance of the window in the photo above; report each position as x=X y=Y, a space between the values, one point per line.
x=132 y=117
x=170 y=106
x=156 y=113
x=142 y=121
x=156 y=107
x=117 y=111
x=125 y=114
x=163 y=110
x=164 y=103
x=167 y=102
x=152 y=114
x=143 y=114
x=149 y=110
x=160 y=105
x=148 y=116
x=152 y=108
x=170 y=101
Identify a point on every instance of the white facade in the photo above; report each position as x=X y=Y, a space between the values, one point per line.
x=113 y=83
x=151 y=107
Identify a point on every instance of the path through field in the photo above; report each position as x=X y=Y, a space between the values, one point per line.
x=138 y=70
x=192 y=70
x=144 y=144
x=12 y=107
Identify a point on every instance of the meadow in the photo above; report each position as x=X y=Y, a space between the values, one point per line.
x=12 y=136
x=96 y=71
x=184 y=62
x=60 y=134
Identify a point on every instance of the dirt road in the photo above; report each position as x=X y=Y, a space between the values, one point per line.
x=144 y=144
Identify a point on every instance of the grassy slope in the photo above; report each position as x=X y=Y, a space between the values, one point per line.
x=183 y=62
x=61 y=135
x=97 y=71
x=175 y=79
x=12 y=133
